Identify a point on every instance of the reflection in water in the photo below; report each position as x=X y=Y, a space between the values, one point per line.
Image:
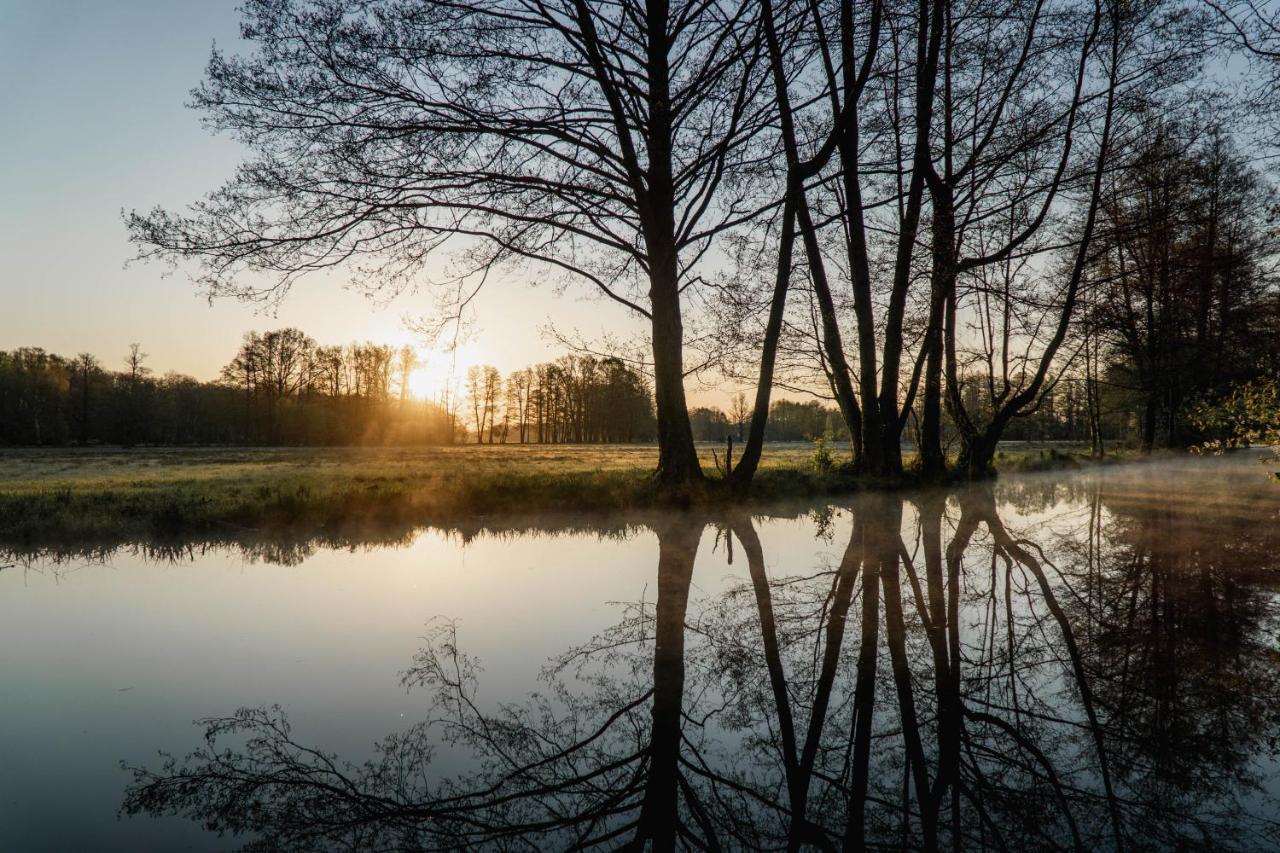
x=286 y=547
x=1104 y=680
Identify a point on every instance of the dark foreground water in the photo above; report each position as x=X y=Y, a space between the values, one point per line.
x=1086 y=661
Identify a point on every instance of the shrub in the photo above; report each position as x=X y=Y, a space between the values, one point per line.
x=824 y=461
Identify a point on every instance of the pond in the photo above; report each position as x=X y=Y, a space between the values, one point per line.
x=1087 y=660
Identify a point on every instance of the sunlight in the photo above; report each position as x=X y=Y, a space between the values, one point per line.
x=421 y=385
x=438 y=371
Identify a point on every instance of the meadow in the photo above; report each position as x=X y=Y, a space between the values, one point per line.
x=114 y=493
x=117 y=494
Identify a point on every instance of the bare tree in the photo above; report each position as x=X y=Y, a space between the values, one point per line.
x=492 y=387
x=600 y=141
x=87 y=369
x=476 y=396
x=133 y=419
x=517 y=402
x=1253 y=27
x=1015 y=219
x=739 y=413
x=133 y=364
x=406 y=363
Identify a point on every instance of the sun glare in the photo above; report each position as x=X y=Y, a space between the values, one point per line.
x=438 y=372
x=422 y=386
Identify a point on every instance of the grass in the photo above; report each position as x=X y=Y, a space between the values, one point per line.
x=119 y=495
x=112 y=495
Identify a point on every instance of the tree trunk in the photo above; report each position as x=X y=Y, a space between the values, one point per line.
x=933 y=462
x=749 y=458
x=864 y=698
x=855 y=418
x=677 y=456
x=1093 y=401
x=977 y=452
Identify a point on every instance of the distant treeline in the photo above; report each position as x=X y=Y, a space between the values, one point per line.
x=587 y=400
x=788 y=421
x=1151 y=341
x=281 y=388
x=575 y=399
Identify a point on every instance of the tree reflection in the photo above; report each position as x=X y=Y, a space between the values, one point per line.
x=1180 y=615
x=946 y=681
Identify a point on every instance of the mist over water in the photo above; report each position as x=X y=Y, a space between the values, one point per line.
x=1081 y=660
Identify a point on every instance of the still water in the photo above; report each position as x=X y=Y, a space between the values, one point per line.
x=1077 y=661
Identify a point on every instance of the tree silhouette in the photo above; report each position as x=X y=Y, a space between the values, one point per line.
x=601 y=141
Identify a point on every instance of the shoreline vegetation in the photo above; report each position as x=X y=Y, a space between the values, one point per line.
x=114 y=495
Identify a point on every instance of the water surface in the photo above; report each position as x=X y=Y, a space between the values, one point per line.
x=1054 y=661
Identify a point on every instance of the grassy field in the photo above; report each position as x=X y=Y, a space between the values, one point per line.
x=117 y=495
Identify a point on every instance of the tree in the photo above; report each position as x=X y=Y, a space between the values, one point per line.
x=406 y=363
x=133 y=364
x=492 y=387
x=87 y=370
x=739 y=414
x=475 y=394
x=1183 y=302
x=135 y=413
x=517 y=401
x=1022 y=283
x=484 y=384
x=1009 y=151
x=833 y=106
x=595 y=140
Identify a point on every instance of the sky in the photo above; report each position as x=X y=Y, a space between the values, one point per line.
x=92 y=96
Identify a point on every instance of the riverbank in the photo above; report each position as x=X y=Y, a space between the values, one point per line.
x=119 y=495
